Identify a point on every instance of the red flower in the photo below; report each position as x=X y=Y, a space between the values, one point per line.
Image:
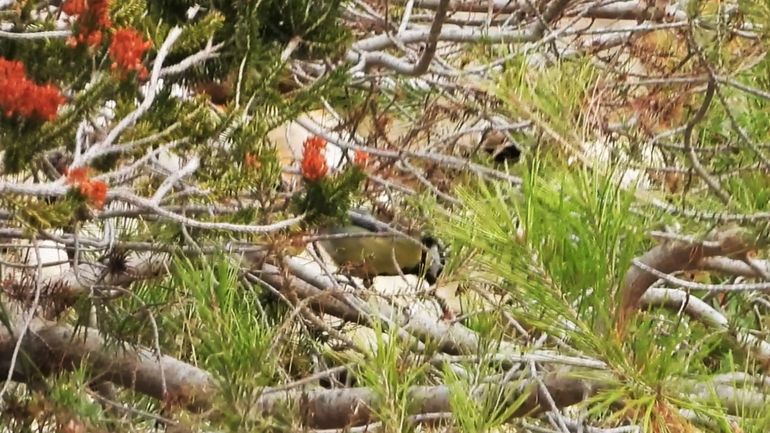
x=77 y=175
x=127 y=49
x=313 y=158
x=93 y=16
x=252 y=161
x=361 y=158
x=74 y=7
x=11 y=69
x=21 y=96
x=47 y=101
x=95 y=191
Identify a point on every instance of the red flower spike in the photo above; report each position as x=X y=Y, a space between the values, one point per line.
x=95 y=191
x=20 y=96
x=313 y=159
x=93 y=17
x=74 y=7
x=126 y=51
x=361 y=158
x=47 y=102
x=77 y=175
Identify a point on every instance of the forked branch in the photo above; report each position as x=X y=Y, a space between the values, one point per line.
x=672 y=256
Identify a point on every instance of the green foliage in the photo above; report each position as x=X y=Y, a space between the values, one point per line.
x=577 y=216
x=327 y=200
x=316 y=23
x=127 y=13
x=44 y=61
x=37 y=215
x=221 y=306
x=69 y=392
x=476 y=415
x=390 y=373
x=554 y=97
x=250 y=29
x=559 y=251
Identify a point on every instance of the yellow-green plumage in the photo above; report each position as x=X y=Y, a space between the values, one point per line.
x=367 y=257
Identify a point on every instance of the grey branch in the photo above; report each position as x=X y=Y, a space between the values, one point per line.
x=456 y=34
x=704 y=313
x=669 y=257
x=50 y=347
x=51 y=34
x=419 y=68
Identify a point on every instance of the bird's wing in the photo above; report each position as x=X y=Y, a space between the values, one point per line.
x=372 y=255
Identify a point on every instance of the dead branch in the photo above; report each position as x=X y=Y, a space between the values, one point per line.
x=49 y=348
x=672 y=256
x=353 y=406
x=698 y=310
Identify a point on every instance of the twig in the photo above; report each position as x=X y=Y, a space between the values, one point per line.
x=702 y=172
x=699 y=286
x=51 y=34
x=369 y=59
x=167 y=184
x=27 y=321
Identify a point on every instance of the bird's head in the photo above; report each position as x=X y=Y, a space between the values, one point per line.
x=434 y=259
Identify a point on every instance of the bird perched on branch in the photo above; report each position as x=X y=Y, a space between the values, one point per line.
x=367 y=248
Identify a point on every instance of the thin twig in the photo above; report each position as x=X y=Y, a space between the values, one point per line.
x=27 y=321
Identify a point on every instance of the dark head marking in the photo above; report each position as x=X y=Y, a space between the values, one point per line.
x=508 y=153
x=499 y=146
x=433 y=260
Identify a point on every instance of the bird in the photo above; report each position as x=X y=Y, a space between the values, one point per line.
x=497 y=145
x=368 y=257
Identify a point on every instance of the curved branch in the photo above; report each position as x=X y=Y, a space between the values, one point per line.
x=670 y=257
x=701 y=311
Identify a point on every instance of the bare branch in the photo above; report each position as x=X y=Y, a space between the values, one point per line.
x=670 y=257
x=353 y=406
x=419 y=68
x=702 y=312
x=51 y=34
x=51 y=347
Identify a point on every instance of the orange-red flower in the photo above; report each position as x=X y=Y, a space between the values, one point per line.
x=313 y=158
x=361 y=158
x=77 y=175
x=74 y=7
x=21 y=96
x=46 y=101
x=95 y=191
x=127 y=49
x=93 y=17
x=252 y=161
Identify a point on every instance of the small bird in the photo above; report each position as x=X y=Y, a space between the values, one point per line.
x=367 y=257
x=496 y=144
